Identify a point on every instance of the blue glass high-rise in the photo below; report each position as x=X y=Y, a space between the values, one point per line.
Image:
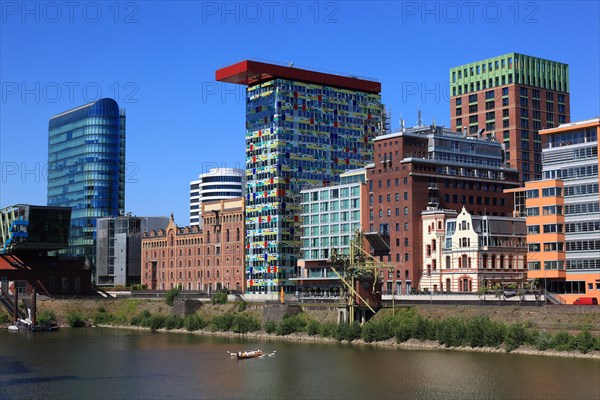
x=86 y=169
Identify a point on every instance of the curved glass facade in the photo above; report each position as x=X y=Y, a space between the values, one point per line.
x=86 y=168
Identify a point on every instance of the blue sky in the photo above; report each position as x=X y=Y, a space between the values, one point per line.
x=158 y=60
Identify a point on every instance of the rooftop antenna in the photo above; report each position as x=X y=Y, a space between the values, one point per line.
x=401 y=123
x=419 y=119
x=433 y=122
x=290 y=64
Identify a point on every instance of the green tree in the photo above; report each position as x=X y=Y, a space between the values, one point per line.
x=171 y=294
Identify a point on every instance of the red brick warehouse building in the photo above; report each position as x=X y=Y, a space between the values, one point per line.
x=198 y=259
x=429 y=167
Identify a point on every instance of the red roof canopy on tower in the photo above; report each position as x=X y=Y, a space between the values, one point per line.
x=252 y=72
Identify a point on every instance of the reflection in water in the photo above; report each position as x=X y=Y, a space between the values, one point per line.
x=103 y=363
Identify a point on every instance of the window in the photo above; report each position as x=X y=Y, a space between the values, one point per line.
x=548 y=192
x=533 y=211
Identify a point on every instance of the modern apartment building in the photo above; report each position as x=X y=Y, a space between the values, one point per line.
x=216 y=184
x=196 y=259
x=28 y=233
x=330 y=217
x=119 y=248
x=86 y=169
x=430 y=167
x=511 y=97
x=303 y=129
x=464 y=252
x=563 y=213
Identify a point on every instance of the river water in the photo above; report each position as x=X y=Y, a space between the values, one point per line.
x=98 y=363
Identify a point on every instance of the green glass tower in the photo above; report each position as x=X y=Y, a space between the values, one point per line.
x=511 y=97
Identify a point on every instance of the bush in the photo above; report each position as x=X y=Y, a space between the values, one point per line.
x=373 y=331
x=290 y=324
x=173 y=322
x=4 y=318
x=543 y=341
x=101 y=317
x=194 y=322
x=242 y=306
x=46 y=317
x=348 y=332
x=270 y=326
x=562 y=342
x=219 y=297
x=452 y=332
x=584 y=342
x=516 y=334
x=75 y=320
x=171 y=294
x=245 y=324
x=222 y=323
x=327 y=329
x=156 y=322
x=312 y=327
x=142 y=319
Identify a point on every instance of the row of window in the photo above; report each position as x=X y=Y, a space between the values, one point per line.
x=548 y=228
x=546 y=192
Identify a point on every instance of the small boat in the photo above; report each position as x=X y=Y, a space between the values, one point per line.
x=45 y=328
x=241 y=355
x=13 y=328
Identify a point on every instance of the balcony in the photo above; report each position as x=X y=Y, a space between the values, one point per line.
x=433 y=201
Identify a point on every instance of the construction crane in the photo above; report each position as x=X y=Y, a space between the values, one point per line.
x=360 y=266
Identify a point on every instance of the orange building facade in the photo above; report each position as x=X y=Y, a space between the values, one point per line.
x=198 y=259
x=563 y=213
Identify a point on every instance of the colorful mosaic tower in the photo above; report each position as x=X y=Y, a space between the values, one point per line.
x=303 y=129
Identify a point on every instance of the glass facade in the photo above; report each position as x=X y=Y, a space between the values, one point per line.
x=86 y=169
x=330 y=218
x=298 y=135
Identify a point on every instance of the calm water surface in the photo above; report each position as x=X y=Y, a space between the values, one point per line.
x=113 y=364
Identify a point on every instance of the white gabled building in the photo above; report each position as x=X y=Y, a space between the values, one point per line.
x=462 y=252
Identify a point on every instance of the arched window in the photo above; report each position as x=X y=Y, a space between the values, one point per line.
x=218 y=274
x=208 y=263
x=207 y=237
x=227 y=235
x=237 y=234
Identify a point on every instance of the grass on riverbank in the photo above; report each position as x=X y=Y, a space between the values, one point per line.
x=406 y=324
